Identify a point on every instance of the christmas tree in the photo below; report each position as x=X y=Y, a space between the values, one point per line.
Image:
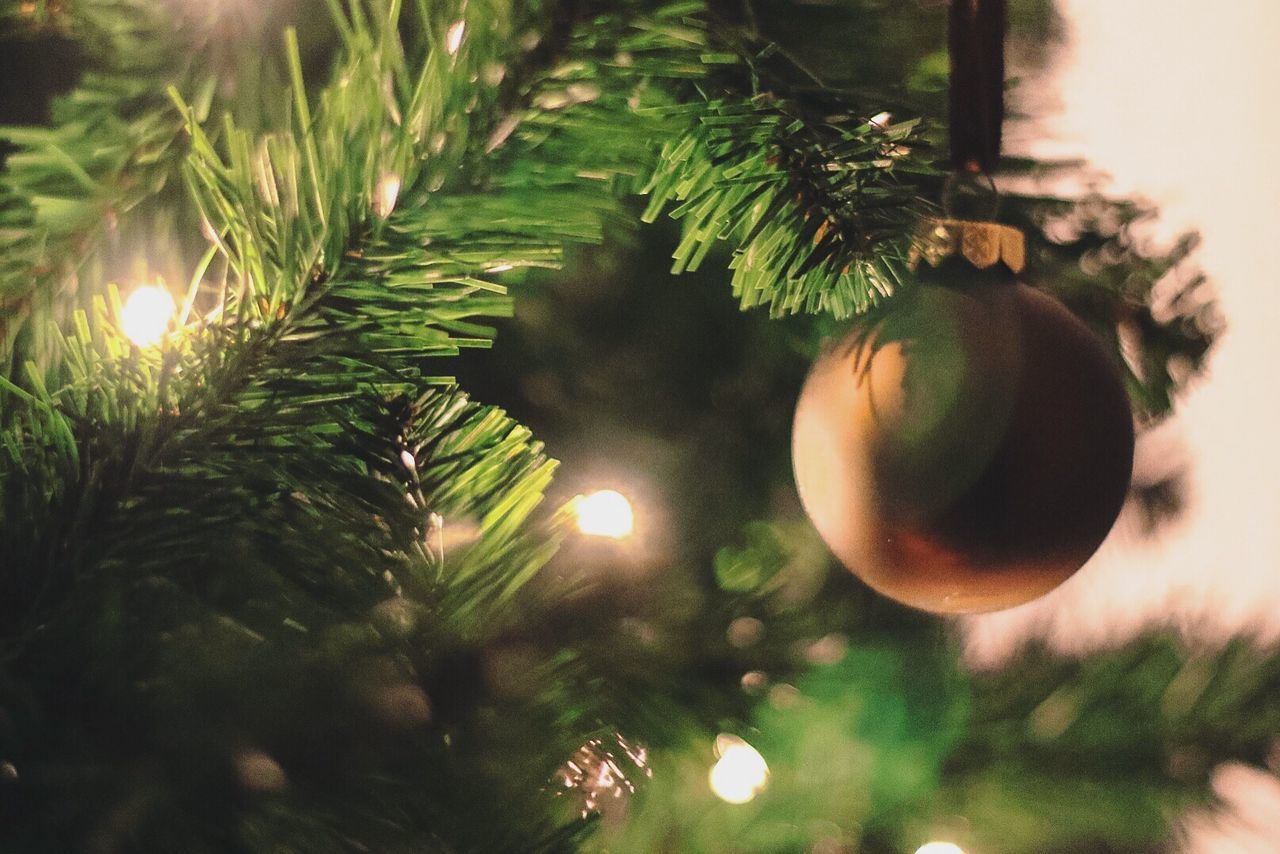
x=278 y=574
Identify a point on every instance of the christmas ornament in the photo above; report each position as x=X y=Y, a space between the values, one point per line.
x=971 y=449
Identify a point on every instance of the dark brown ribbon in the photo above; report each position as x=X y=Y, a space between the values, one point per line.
x=977 y=83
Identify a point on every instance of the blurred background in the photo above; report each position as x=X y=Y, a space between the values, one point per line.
x=1179 y=117
x=1173 y=100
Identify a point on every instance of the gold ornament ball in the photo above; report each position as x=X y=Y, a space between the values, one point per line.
x=968 y=452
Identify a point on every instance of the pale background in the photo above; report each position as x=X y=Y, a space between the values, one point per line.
x=1179 y=101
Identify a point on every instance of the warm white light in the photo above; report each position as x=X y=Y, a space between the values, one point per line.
x=939 y=848
x=147 y=314
x=384 y=200
x=453 y=38
x=741 y=772
x=605 y=513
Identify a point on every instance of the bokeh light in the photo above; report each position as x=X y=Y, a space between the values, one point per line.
x=147 y=314
x=453 y=38
x=939 y=848
x=605 y=513
x=740 y=773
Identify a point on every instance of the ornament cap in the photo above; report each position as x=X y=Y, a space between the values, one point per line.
x=982 y=244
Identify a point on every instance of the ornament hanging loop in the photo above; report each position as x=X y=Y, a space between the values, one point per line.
x=970 y=195
x=970 y=198
x=976 y=45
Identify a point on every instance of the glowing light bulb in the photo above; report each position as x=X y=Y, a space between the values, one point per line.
x=388 y=191
x=939 y=848
x=741 y=772
x=146 y=315
x=453 y=38
x=606 y=513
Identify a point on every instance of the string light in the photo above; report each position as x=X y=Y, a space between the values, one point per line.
x=146 y=315
x=939 y=848
x=453 y=38
x=740 y=773
x=384 y=199
x=605 y=513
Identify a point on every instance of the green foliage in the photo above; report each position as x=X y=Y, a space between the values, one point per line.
x=291 y=420
x=1111 y=746
x=818 y=207
x=741 y=570
x=115 y=145
x=853 y=748
x=581 y=131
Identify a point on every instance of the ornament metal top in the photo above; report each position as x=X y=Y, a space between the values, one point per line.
x=970 y=449
x=982 y=244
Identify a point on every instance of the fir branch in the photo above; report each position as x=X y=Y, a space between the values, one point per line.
x=114 y=145
x=585 y=126
x=818 y=207
x=331 y=301
x=346 y=300
x=1113 y=746
x=274 y=424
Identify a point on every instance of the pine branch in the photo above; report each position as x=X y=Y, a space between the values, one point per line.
x=114 y=145
x=1112 y=747
x=583 y=129
x=260 y=442
x=818 y=207
x=299 y=319
x=290 y=419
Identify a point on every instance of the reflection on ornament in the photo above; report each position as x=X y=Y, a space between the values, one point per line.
x=146 y=315
x=597 y=775
x=970 y=450
x=939 y=848
x=605 y=513
x=740 y=773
